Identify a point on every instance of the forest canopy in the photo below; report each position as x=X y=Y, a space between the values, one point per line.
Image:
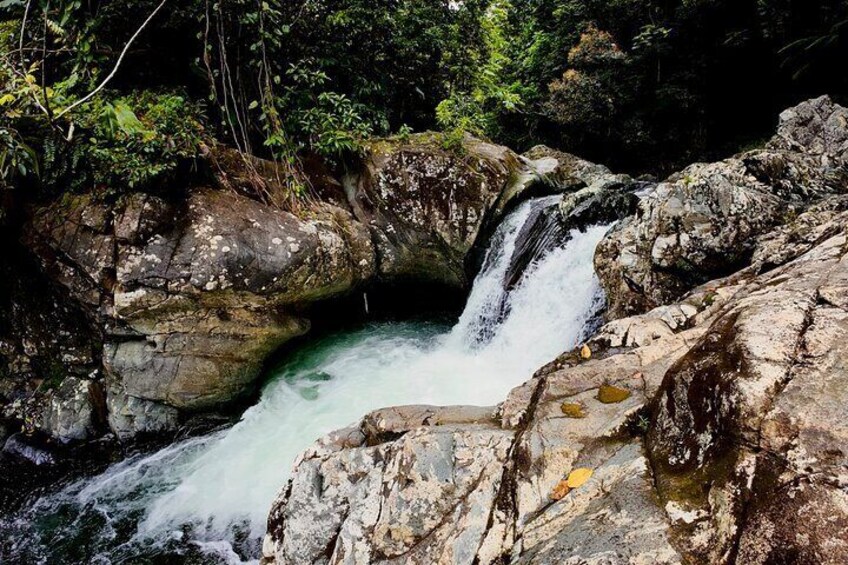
x=129 y=93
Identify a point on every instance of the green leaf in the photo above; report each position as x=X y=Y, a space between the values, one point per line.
x=127 y=120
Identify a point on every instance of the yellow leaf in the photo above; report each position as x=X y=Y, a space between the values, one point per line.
x=578 y=476
x=585 y=352
x=609 y=394
x=573 y=410
x=560 y=490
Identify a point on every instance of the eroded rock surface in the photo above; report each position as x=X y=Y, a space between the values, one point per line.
x=184 y=296
x=738 y=388
x=703 y=222
x=425 y=205
x=723 y=439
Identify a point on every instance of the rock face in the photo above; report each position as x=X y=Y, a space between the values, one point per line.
x=749 y=433
x=184 y=296
x=738 y=387
x=714 y=425
x=426 y=205
x=702 y=222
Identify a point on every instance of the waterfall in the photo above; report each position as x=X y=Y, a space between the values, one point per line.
x=207 y=498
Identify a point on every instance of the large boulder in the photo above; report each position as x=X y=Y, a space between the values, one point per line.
x=426 y=205
x=738 y=388
x=703 y=222
x=192 y=297
x=185 y=295
x=748 y=431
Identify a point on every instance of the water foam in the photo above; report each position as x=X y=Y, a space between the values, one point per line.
x=213 y=493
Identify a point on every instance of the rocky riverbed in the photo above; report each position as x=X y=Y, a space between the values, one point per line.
x=710 y=409
x=703 y=422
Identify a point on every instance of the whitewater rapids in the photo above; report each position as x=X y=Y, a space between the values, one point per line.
x=212 y=493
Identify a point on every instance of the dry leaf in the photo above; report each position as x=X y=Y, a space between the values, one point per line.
x=578 y=476
x=573 y=410
x=560 y=490
x=609 y=394
x=585 y=352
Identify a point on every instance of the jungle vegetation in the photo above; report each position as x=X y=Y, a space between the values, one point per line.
x=131 y=94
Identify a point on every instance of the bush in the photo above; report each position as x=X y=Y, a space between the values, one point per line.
x=136 y=141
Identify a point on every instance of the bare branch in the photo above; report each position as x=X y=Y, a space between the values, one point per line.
x=23 y=30
x=23 y=60
x=100 y=86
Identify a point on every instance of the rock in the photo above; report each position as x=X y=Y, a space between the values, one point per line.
x=522 y=457
x=603 y=202
x=71 y=415
x=816 y=127
x=426 y=205
x=129 y=415
x=565 y=172
x=748 y=427
x=188 y=293
x=191 y=302
x=45 y=339
x=722 y=436
x=20 y=446
x=429 y=473
x=741 y=396
x=704 y=222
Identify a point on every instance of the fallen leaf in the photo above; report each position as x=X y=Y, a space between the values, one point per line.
x=578 y=476
x=573 y=410
x=609 y=394
x=560 y=490
x=585 y=352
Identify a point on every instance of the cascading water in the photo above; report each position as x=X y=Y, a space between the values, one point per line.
x=206 y=499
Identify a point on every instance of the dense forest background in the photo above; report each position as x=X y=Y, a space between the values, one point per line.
x=132 y=93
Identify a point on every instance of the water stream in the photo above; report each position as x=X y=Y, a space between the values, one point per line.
x=206 y=499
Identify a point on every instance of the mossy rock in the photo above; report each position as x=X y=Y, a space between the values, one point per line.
x=609 y=394
x=573 y=410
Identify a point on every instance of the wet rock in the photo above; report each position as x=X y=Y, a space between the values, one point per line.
x=527 y=453
x=22 y=447
x=748 y=427
x=71 y=414
x=429 y=473
x=187 y=294
x=605 y=201
x=425 y=205
x=565 y=172
x=738 y=388
x=130 y=416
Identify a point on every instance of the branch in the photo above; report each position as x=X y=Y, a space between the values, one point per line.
x=23 y=29
x=100 y=86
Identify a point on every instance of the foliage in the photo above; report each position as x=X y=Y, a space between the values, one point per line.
x=139 y=139
x=17 y=159
x=689 y=79
x=639 y=84
x=477 y=108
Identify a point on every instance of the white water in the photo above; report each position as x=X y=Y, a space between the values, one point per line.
x=215 y=491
